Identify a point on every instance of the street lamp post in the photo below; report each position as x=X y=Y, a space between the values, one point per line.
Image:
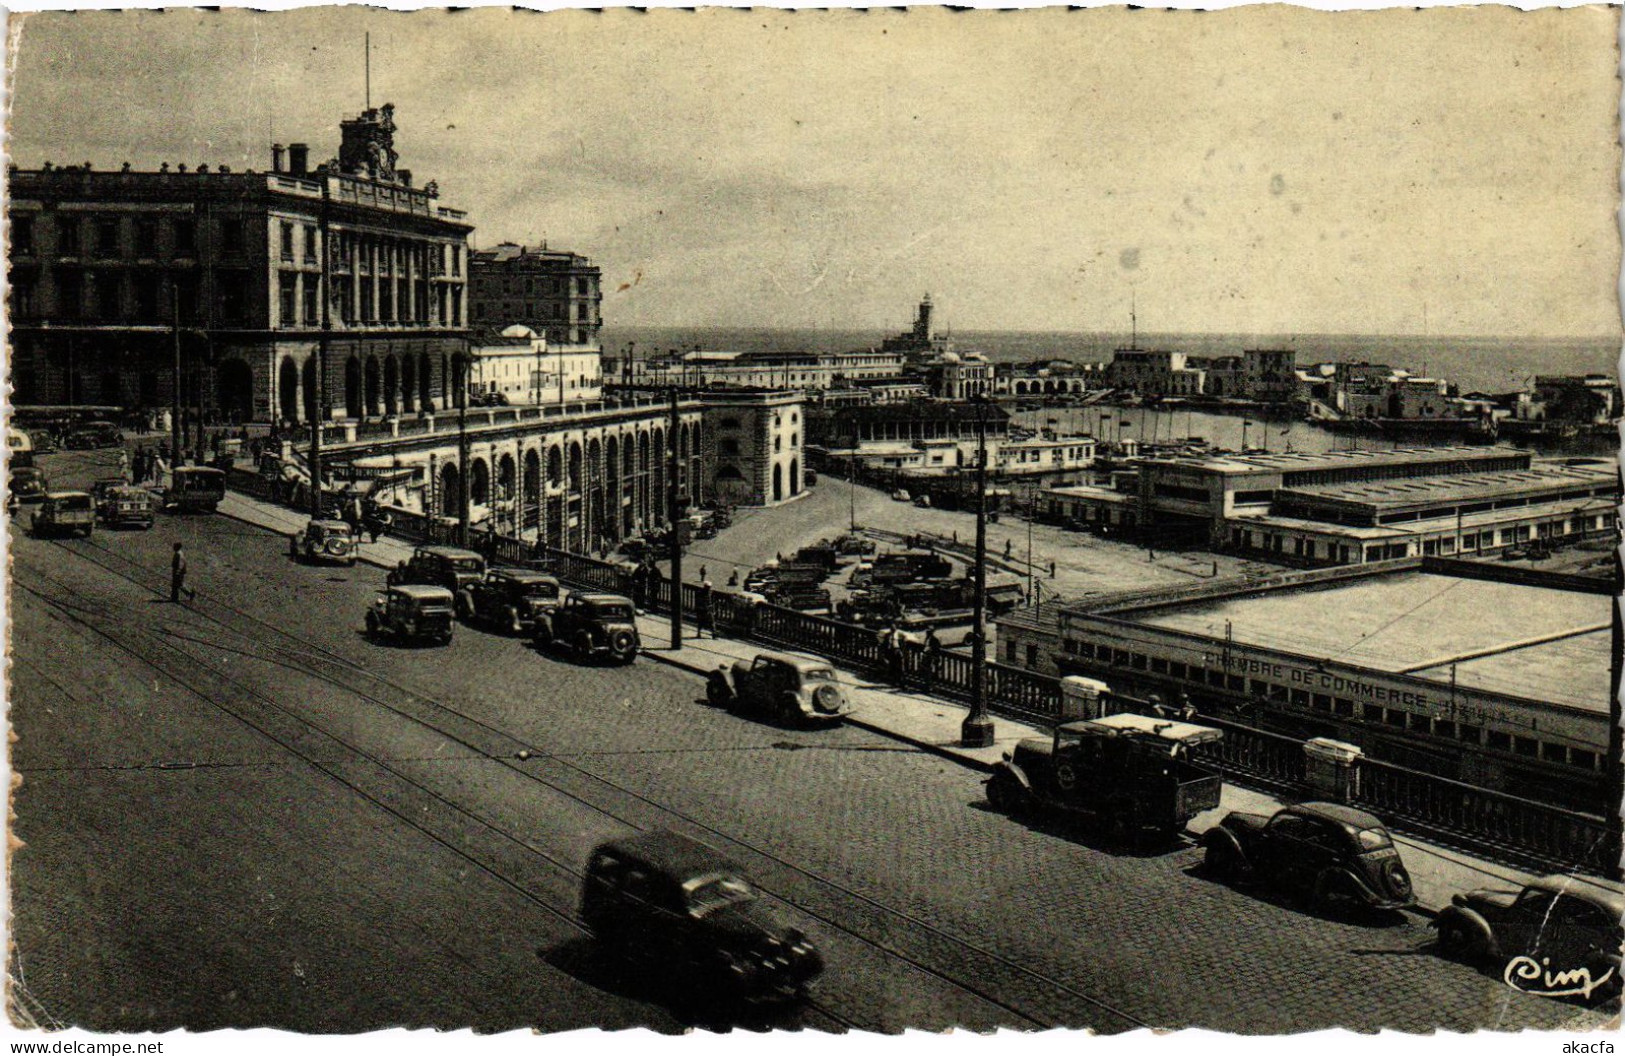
x=674 y=500
x=977 y=729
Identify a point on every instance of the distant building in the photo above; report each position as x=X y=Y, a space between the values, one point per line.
x=1587 y=398
x=786 y=371
x=516 y=367
x=1153 y=372
x=1006 y=457
x=1270 y=375
x=751 y=447
x=847 y=427
x=100 y=262
x=554 y=292
x=921 y=341
x=1354 y=507
x=952 y=376
x=1056 y=377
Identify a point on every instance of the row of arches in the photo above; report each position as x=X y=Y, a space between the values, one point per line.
x=579 y=495
x=1047 y=386
x=372 y=386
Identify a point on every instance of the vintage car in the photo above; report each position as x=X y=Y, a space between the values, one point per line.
x=100 y=487
x=195 y=489
x=513 y=599
x=126 y=507
x=593 y=626
x=329 y=541
x=1332 y=853
x=1132 y=774
x=1556 y=924
x=440 y=566
x=412 y=612
x=785 y=688
x=65 y=513
x=28 y=484
x=93 y=435
x=682 y=910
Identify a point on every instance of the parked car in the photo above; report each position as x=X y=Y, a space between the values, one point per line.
x=786 y=688
x=513 y=599
x=28 y=484
x=1326 y=850
x=126 y=506
x=901 y=495
x=65 y=513
x=412 y=612
x=93 y=435
x=441 y=566
x=683 y=910
x=327 y=541
x=594 y=626
x=1556 y=923
x=1130 y=773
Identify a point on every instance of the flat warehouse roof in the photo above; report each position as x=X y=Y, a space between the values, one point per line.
x=1507 y=484
x=1419 y=623
x=1289 y=462
x=1582 y=682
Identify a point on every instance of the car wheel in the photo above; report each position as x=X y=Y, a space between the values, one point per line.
x=516 y=626
x=718 y=691
x=1455 y=939
x=1005 y=794
x=1222 y=860
x=372 y=625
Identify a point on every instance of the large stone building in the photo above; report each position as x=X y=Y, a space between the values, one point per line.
x=255 y=263
x=554 y=292
x=751 y=447
x=789 y=371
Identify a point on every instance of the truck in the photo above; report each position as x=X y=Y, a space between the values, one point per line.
x=1134 y=775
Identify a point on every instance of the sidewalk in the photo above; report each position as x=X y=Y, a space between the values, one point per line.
x=929 y=723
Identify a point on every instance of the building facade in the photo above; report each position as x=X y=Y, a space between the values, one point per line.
x=554 y=292
x=517 y=367
x=256 y=269
x=788 y=371
x=751 y=447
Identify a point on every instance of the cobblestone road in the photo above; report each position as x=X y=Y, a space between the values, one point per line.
x=333 y=881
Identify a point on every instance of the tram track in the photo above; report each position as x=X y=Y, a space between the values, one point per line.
x=1029 y=997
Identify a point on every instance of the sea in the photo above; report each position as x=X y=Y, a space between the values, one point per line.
x=1476 y=364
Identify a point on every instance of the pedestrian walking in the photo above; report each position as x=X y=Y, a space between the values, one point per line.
x=640 y=587
x=733 y=577
x=703 y=576
x=177 y=576
x=1007 y=549
x=124 y=464
x=702 y=611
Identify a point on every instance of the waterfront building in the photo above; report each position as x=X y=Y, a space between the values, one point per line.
x=956 y=376
x=100 y=262
x=751 y=447
x=1154 y=372
x=1354 y=507
x=845 y=428
x=1592 y=399
x=1057 y=377
x=1371 y=656
x=1006 y=456
x=516 y=366
x=788 y=371
x=921 y=341
x=554 y=292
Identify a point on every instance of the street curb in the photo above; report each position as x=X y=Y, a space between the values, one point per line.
x=660 y=656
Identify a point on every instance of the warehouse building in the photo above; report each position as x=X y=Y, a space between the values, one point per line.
x=1398 y=659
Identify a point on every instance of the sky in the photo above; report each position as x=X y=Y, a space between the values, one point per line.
x=1254 y=170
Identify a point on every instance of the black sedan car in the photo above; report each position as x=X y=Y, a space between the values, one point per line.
x=1560 y=935
x=512 y=599
x=683 y=910
x=1335 y=854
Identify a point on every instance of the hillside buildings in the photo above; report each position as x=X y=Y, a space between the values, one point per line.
x=257 y=265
